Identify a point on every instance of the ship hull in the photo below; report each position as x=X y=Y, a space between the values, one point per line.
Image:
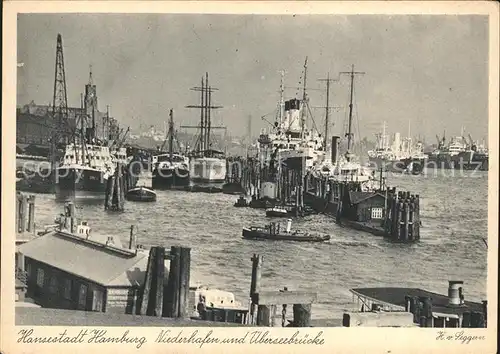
x=207 y=170
x=461 y=161
x=80 y=183
x=258 y=234
x=409 y=165
x=167 y=178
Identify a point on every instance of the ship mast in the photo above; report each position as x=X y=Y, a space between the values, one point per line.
x=327 y=108
x=82 y=125
x=205 y=109
x=304 y=100
x=171 y=134
x=282 y=98
x=350 y=133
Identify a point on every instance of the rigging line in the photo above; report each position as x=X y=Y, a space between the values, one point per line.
x=357 y=115
x=312 y=119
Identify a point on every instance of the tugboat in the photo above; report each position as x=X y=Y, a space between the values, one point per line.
x=273 y=232
x=241 y=202
x=141 y=194
x=277 y=211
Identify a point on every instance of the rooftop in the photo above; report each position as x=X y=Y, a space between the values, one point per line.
x=396 y=296
x=357 y=197
x=88 y=259
x=32 y=316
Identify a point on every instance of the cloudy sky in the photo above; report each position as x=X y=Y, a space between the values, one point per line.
x=427 y=70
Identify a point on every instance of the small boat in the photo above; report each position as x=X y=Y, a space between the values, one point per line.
x=241 y=202
x=276 y=211
x=273 y=232
x=141 y=194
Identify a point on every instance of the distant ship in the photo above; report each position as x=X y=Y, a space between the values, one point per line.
x=459 y=153
x=171 y=169
x=398 y=157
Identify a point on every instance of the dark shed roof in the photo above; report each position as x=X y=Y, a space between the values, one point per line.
x=357 y=197
x=396 y=296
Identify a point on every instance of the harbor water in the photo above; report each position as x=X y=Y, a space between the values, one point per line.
x=453 y=213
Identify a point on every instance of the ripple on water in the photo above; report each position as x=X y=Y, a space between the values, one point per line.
x=454 y=216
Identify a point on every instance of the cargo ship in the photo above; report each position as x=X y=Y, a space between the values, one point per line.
x=459 y=153
x=400 y=156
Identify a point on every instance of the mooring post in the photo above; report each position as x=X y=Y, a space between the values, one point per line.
x=67 y=217
x=31 y=213
x=172 y=309
x=143 y=309
x=407 y=220
x=131 y=242
x=185 y=268
x=72 y=216
x=427 y=311
x=263 y=316
x=466 y=320
x=302 y=315
x=255 y=282
x=158 y=280
x=485 y=312
x=110 y=191
x=23 y=210
x=400 y=227
x=18 y=214
x=416 y=219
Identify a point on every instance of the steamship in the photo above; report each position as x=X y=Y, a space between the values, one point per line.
x=84 y=171
x=289 y=142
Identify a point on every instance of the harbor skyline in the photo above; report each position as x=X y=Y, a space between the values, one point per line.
x=427 y=70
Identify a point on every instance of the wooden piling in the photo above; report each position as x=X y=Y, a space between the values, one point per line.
x=255 y=281
x=466 y=320
x=302 y=315
x=67 y=217
x=132 y=242
x=72 y=217
x=485 y=312
x=110 y=191
x=23 y=211
x=263 y=316
x=399 y=223
x=185 y=267
x=31 y=213
x=157 y=284
x=143 y=309
x=417 y=218
x=18 y=213
x=406 y=213
x=172 y=299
